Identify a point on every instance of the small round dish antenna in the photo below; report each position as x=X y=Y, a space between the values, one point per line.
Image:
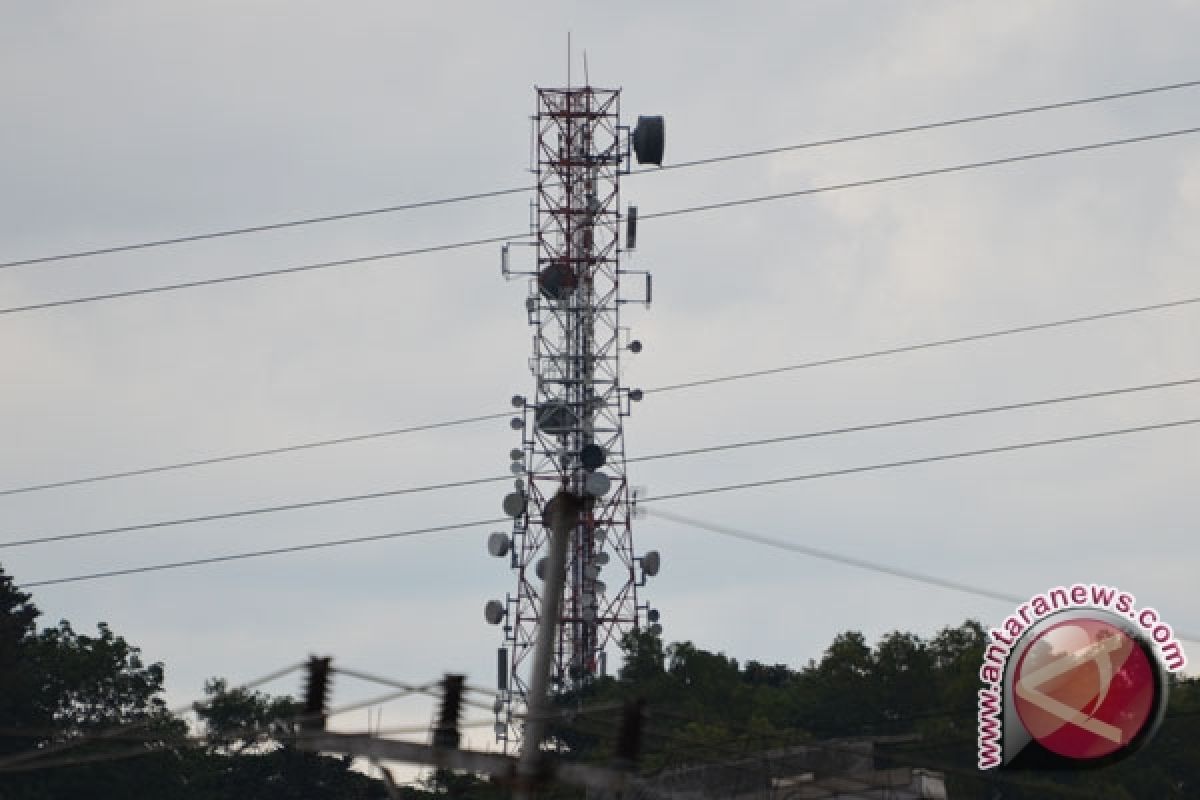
x=518 y=401
x=600 y=558
x=516 y=423
x=516 y=454
x=498 y=544
x=516 y=467
x=540 y=569
x=651 y=563
x=514 y=504
x=635 y=346
x=597 y=484
x=493 y=612
x=592 y=456
x=636 y=395
x=652 y=615
x=519 y=485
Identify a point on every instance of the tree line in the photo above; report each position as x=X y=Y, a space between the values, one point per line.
x=82 y=715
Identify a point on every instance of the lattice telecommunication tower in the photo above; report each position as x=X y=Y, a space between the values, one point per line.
x=571 y=426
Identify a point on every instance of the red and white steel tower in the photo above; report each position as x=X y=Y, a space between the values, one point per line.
x=571 y=426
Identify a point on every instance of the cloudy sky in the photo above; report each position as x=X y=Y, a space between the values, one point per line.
x=132 y=121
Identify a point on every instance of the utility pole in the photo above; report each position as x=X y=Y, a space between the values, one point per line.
x=563 y=511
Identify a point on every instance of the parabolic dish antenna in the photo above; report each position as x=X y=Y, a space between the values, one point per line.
x=557 y=280
x=493 y=612
x=597 y=484
x=592 y=456
x=498 y=544
x=514 y=504
x=555 y=417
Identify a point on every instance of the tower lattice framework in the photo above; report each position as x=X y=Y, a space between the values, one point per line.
x=572 y=425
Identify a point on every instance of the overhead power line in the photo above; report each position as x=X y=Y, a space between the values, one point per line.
x=354 y=498
x=171 y=287
x=927 y=126
x=666 y=388
x=912 y=462
x=659 y=498
x=291 y=448
x=853 y=561
x=925 y=173
x=909 y=348
x=247 y=276
x=19 y=761
x=251 y=512
x=196 y=562
x=409 y=206
x=872 y=426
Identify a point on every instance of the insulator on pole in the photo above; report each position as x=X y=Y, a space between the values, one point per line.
x=316 y=694
x=445 y=732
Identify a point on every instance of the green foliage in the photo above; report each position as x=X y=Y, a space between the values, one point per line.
x=236 y=719
x=66 y=693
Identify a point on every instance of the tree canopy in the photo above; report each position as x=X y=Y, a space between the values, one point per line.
x=82 y=715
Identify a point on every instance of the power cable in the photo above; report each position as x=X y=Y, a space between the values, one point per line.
x=677 y=495
x=195 y=562
x=304 y=504
x=925 y=173
x=291 y=448
x=910 y=421
x=977 y=337
x=655 y=215
x=248 y=512
x=345 y=215
x=16 y=761
x=171 y=287
x=859 y=563
x=926 y=126
x=910 y=462
x=272 y=226
x=401 y=686
x=667 y=388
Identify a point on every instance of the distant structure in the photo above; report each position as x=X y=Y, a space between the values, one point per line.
x=571 y=427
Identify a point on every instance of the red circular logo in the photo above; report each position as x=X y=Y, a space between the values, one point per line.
x=1084 y=688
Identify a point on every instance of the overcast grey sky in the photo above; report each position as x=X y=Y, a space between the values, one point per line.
x=128 y=121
